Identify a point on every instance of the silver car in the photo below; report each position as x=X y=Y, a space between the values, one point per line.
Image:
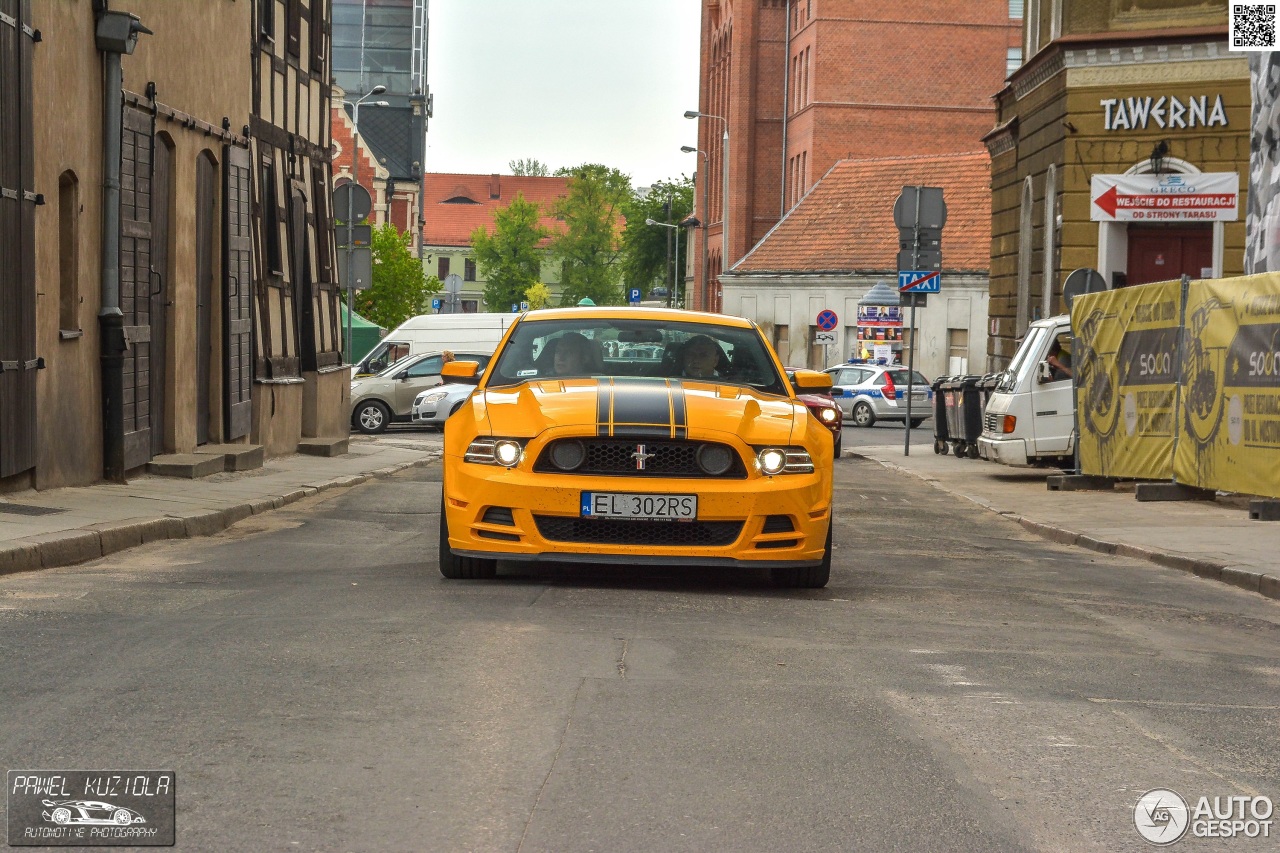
x=867 y=393
x=377 y=401
x=433 y=407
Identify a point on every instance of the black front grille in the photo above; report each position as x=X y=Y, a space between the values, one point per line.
x=610 y=456
x=778 y=524
x=498 y=515
x=607 y=531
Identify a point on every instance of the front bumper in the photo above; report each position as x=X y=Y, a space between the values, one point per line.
x=471 y=490
x=1006 y=451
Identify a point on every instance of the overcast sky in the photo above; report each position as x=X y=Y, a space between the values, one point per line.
x=565 y=82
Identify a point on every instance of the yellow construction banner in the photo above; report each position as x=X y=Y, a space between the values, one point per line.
x=1126 y=379
x=1230 y=437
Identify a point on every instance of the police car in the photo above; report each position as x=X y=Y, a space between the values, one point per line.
x=867 y=393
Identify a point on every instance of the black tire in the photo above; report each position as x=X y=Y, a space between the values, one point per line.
x=958 y=448
x=973 y=451
x=915 y=422
x=863 y=415
x=371 y=417
x=839 y=440
x=455 y=567
x=456 y=406
x=939 y=447
x=805 y=577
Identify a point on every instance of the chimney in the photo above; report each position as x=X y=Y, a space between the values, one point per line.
x=495 y=186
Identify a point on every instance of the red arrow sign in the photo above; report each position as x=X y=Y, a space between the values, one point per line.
x=1113 y=200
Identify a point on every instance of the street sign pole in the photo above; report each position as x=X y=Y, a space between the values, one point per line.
x=911 y=344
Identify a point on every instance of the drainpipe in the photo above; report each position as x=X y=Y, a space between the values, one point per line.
x=786 y=104
x=116 y=35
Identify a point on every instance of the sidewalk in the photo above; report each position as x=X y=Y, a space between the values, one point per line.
x=1212 y=539
x=60 y=527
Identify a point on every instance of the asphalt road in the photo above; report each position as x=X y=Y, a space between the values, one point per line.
x=959 y=686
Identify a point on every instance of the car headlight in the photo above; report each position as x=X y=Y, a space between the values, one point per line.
x=827 y=416
x=430 y=398
x=506 y=452
x=784 y=460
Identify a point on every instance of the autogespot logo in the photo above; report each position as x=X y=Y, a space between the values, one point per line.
x=1161 y=816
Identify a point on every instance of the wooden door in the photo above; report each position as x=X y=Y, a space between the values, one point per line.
x=206 y=184
x=161 y=187
x=1164 y=254
x=237 y=290
x=18 y=360
x=135 y=282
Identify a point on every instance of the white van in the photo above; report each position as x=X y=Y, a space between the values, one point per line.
x=431 y=332
x=1030 y=416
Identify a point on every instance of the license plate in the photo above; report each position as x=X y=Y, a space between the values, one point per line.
x=642 y=507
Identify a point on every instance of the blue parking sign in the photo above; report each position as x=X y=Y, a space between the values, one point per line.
x=634 y=294
x=436 y=303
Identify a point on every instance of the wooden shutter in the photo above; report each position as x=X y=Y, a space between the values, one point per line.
x=237 y=286
x=317 y=39
x=17 y=244
x=325 y=290
x=135 y=282
x=293 y=16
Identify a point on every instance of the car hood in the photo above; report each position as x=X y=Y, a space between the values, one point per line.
x=638 y=407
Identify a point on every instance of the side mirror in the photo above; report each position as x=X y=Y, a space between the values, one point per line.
x=805 y=381
x=462 y=372
x=1044 y=372
x=402 y=375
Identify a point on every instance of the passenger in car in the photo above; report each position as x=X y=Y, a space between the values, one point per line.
x=702 y=358
x=574 y=355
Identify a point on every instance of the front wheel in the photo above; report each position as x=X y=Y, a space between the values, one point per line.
x=915 y=422
x=456 y=567
x=806 y=577
x=863 y=416
x=837 y=448
x=371 y=417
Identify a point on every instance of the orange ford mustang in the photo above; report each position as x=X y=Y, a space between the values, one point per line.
x=642 y=436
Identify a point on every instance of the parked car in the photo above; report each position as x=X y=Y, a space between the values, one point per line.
x=703 y=458
x=824 y=408
x=378 y=401
x=433 y=407
x=867 y=393
x=1030 y=416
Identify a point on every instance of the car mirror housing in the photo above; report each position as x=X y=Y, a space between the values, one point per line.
x=1044 y=372
x=464 y=372
x=811 y=380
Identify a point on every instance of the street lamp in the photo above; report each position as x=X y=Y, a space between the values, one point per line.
x=355 y=179
x=724 y=214
x=675 y=273
x=706 y=214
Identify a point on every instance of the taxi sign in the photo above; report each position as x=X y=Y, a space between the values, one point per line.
x=919 y=281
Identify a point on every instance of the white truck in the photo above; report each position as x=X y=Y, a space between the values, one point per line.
x=1030 y=416
x=432 y=332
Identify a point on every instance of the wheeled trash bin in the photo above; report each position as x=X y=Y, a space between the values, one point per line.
x=941 y=435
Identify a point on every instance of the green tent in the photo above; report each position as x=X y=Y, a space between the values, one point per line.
x=364 y=335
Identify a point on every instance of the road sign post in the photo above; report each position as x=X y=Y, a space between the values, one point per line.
x=920 y=213
x=357 y=202
x=827 y=322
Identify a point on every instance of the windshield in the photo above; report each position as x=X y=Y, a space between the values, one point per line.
x=660 y=348
x=1024 y=357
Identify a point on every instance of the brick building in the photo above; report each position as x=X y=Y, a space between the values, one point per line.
x=802 y=84
x=457 y=204
x=394 y=200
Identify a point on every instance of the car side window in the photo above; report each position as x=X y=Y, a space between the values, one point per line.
x=880 y=380
x=426 y=367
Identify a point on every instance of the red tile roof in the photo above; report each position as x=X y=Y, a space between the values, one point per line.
x=456 y=205
x=845 y=222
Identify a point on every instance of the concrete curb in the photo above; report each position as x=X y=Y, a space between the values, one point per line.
x=69 y=547
x=1243 y=577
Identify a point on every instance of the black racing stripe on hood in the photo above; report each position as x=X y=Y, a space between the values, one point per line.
x=678 y=413
x=636 y=406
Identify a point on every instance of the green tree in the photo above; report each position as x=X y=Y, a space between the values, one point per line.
x=529 y=167
x=509 y=259
x=645 y=261
x=590 y=247
x=538 y=296
x=401 y=288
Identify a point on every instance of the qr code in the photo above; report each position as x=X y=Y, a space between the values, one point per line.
x=1253 y=26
